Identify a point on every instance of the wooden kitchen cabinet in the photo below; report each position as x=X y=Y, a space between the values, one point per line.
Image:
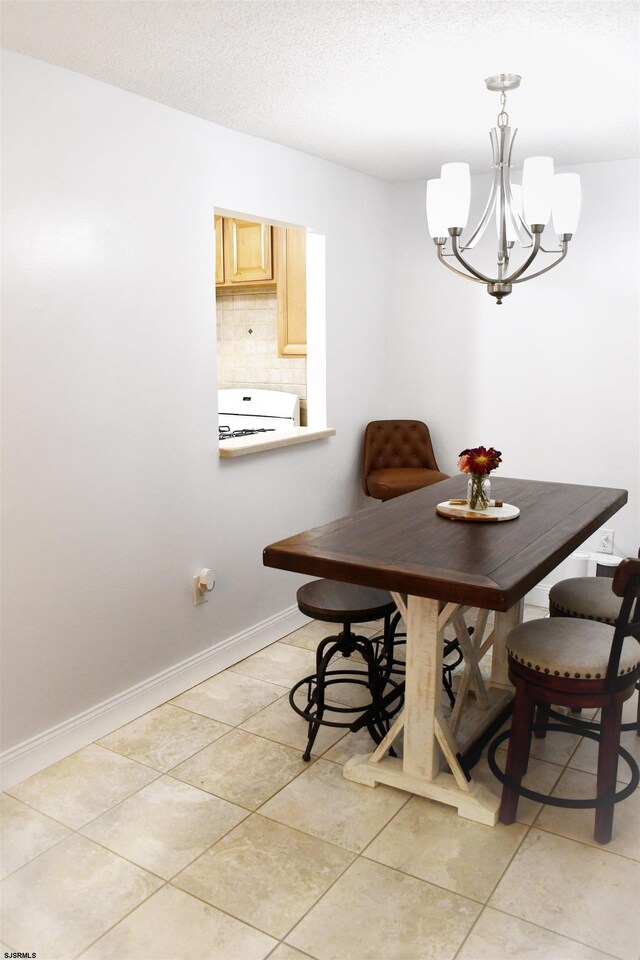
x=251 y=255
x=290 y=261
x=220 y=276
x=244 y=255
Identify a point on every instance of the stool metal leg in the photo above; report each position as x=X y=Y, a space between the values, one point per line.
x=317 y=697
x=374 y=715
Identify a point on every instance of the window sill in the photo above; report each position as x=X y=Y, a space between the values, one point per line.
x=241 y=446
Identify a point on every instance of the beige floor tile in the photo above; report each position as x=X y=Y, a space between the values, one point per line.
x=280 y=663
x=586 y=756
x=541 y=777
x=280 y=722
x=497 y=935
x=556 y=747
x=24 y=834
x=321 y=802
x=58 y=904
x=430 y=841
x=265 y=873
x=84 y=785
x=373 y=627
x=373 y=912
x=165 y=826
x=574 y=890
x=171 y=925
x=242 y=768
x=579 y=824
x=230 y=697
x=351 y=745
x=309 y=636
x=164 y=737
x=284 y=952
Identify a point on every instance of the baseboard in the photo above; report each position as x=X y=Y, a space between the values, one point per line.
x=539 y=596
x=46 y=748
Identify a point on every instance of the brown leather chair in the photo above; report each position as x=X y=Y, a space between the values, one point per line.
x=398 y=457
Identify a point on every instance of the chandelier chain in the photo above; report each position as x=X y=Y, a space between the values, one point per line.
x=503 y=116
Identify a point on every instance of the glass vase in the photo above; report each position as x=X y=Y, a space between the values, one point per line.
x=478 y=491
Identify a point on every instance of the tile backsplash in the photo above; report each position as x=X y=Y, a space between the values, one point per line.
x=248 y=345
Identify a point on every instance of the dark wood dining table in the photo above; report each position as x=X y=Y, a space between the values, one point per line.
x=437 y=569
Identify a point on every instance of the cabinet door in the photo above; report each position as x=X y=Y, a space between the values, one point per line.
x=219 y=250
x=292 y=292
x=248 y=252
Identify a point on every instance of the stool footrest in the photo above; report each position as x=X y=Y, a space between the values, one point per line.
x=576 y=803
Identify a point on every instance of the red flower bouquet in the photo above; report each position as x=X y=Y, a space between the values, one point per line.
x=478 y=462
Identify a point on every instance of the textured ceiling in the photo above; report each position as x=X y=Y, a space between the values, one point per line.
x=389 y=87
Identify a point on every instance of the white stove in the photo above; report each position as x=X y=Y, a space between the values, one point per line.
x=244 y=411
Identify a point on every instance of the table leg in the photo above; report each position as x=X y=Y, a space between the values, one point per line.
x=504 y=622
x=419 y=770
x=422 y=691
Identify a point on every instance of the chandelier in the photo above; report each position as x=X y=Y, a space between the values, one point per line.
x=521 y=212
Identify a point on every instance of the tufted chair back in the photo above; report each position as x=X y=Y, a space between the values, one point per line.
x=393 y=446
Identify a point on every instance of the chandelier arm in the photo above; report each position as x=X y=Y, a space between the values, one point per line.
x=524 y=235
x=475 y=273
x=550 y=266
x=491 y=202
x=527 y=263
x=441 y=258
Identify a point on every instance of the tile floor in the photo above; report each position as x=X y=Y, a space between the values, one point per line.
x=198 y=832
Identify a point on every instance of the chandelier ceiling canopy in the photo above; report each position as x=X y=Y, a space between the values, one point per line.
x=521 y=211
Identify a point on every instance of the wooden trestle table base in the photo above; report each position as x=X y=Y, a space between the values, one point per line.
x=437 y=569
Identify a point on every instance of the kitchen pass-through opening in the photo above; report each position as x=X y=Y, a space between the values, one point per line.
x=270 y=314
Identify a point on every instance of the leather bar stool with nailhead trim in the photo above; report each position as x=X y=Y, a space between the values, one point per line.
x=575 y=662
x=346 y=604
x=587 y=598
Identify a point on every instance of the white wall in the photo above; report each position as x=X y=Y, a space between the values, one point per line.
x=114 y=495
x=550 y=377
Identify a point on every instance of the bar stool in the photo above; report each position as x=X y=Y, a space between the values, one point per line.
x=346 y=604
x=575 y=663
x=587 y=598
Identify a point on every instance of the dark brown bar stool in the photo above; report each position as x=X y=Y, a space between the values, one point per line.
x=587 y=598
x=575 y=663
x=346 y=604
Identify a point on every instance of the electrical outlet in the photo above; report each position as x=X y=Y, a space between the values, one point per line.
x=198 y=595
x=606 y=541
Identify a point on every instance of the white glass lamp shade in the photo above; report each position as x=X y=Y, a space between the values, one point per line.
x=567 y=197
x=537 y=189
x=456 y=182
x=435 y=209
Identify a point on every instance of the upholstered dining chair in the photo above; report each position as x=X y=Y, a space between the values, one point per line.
x=397 y=458
x=582 y=663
